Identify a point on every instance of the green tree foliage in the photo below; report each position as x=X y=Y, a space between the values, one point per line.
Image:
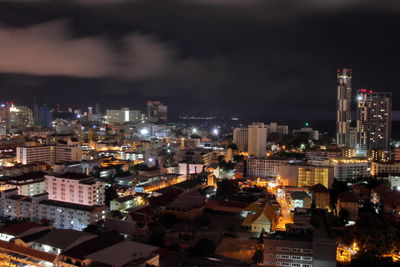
x=337 y=188
x=204 y=247
x=109 y=194
x=168 y=220
x=233 y=147
x=92 y=229
x=204 y=220
x=226 y=188
x=258 y=256
x=116 y=214
x=157 y=237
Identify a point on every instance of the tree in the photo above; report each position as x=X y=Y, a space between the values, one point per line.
x=204 y=220
x=168 y=220
x=92 y=228
x=157 y=237
x=109 y=194
x=258 y=256
x=226 y=188
x=344 y=216
x=116 y=214
x=233 y=147
x=204 y=247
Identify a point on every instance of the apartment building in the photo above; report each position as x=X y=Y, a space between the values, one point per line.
x=265 y=167
x=62 y=215
x=75 y=188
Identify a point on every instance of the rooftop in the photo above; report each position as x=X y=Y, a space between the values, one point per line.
x=95 y=244
x=71 y=175
x=69 y=205
x=122 y=253
x=33 y=253
x=18 y=228
x=62 y=238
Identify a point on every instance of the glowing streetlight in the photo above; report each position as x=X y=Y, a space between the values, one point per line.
x=144 y=131
x=215 y=131
x=194 y=130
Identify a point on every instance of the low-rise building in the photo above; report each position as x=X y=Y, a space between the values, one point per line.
x=384 y=168
x=28 y=184
x=265 y=167
x=302 y=245
x=62 y=215
x=345 y=169
x=187 y=206
x=75 y=188
x=306 y=175
x=320 y=196
x=349 y=202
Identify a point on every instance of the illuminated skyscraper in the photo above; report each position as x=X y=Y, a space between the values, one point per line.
x=343 y=107
x=241 y=138
x=156 y=111
x=374 y=119
x=257 y=143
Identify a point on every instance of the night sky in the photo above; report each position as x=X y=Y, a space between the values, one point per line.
x=258 y=59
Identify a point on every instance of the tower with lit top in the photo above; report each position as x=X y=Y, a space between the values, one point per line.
x=343 y=107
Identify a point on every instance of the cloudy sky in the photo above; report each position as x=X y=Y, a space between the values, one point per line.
x=261 y=59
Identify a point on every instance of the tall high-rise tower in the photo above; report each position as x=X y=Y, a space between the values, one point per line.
x=257 y=144
x=343 y=107
x=374 y=119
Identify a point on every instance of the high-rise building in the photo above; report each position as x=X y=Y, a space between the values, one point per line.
x=43 y=117
x=257 y=140
x=156 y=111
x=123 y=115
x=374 y=119
x=274 y=127
x=241 y=138
x=18 y=118
x=75 y=188
x=343 y=107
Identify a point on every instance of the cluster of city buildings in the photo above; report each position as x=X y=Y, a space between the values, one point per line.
x=64 y=173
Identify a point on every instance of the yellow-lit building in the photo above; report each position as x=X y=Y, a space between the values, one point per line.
x=312 y=175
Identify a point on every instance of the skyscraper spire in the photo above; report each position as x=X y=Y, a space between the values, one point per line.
x=343 y=107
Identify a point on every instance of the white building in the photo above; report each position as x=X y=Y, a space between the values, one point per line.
x=75 y=188
x=30 y=154
x=349 y=168
x=257 y=140
x=61 y=214
x=69 y=151
x=394 y=180
x=241 y=138
x=28 y=184
x=273 y=127
x=379 y=168
x=190 y=168
x=312 y=134
x=123 y=115
x=265 y=167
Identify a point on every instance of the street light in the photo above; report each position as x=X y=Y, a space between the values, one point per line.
x=144 y=131
x=215 y=131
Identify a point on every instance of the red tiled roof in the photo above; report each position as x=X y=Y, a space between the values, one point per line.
x=18 y=228
x=27 y=251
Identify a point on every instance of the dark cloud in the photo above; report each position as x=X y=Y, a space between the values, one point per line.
x=251 y=58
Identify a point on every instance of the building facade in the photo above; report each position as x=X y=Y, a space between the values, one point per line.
x=75 y=188
x=374 y=119
x=343 y=107
x=241 y=138
x=156 y=112
x=257 y=143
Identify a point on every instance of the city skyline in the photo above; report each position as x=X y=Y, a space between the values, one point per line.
x=248 y=56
